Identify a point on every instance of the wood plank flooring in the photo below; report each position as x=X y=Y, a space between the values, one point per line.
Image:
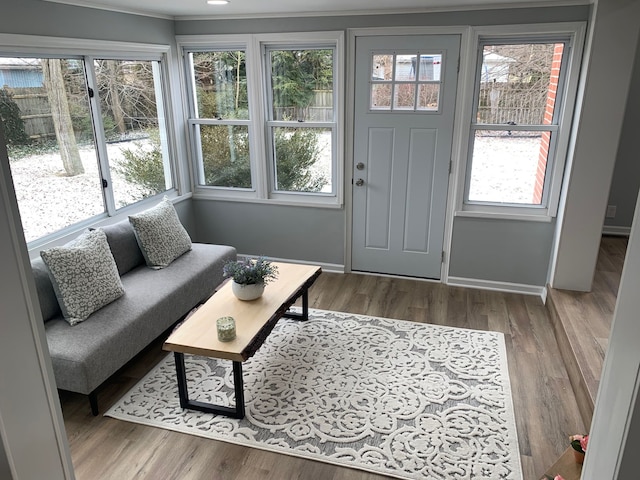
x=582 y=323
x=545 y=407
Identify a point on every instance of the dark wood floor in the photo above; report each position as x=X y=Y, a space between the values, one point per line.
x=545 y=406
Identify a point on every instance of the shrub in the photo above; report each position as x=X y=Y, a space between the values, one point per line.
x=298 y=152
x=143 y=165
x=14 y=131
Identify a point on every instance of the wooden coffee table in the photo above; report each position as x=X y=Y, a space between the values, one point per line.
x=254 y=321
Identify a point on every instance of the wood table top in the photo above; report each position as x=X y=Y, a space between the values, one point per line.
x=198 y=334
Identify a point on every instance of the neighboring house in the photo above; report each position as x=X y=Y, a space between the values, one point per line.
x=24 y=73
x=502 y=252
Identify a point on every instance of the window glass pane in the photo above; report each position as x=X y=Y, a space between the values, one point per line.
x=45 y=111
x=404 y=96
x=303 y=159
x=225 y=155
x=509 y=167
x=518 y=83
x=405 y=67
x=302 y=84
x=382 y=67
x=428 y=95
x=130 y=96
x=221 y=84
x=381 y=96
x=430 y=67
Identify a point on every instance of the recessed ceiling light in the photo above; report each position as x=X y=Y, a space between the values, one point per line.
x=217 y=2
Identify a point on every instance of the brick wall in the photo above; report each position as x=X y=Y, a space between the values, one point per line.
x=547 y=120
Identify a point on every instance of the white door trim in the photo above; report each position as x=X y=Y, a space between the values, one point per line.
x=458 y=126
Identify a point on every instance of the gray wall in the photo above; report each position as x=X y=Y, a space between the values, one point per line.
x=36 y=17
x=626 y=175
x=280 y=231
x=503 y=251
x=301 y=24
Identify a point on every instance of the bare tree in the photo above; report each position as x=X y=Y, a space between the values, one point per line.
x=56 y=91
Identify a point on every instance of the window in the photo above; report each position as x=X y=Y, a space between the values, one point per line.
x=301 y=119
x=264 y=116
x=85 y=136
x=405 y=82
x=517 y=143
x=220 y=119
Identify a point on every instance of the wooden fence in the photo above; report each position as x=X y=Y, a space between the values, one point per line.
x=502 y=103
x=35 y=111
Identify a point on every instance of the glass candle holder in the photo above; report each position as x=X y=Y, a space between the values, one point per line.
x=226 y=327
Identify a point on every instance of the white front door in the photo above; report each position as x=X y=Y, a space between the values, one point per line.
x=405 y=93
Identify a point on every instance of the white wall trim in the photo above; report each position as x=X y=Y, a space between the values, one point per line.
x=616 y=231
x=30 y=44
x=36 y=388
x=326 y=267
x=506 y=287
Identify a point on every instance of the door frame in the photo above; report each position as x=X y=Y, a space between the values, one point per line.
x=458 y=148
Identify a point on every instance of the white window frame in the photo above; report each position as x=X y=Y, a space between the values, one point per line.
x=261 y=160
x=18 y=45
x=564 y=113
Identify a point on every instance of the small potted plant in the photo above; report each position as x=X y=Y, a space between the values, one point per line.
x=250 y=276
x=579 y=445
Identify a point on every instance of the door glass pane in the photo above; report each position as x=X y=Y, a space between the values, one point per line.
x=131 y=101
x=509 y=166
x=381 y=96
x=52 y=154
x=518 y=83
x=428 y=95
x=302 y=85
x=430 y=68
x=221 y=84
x=404 y=96
x=225 y=155
x=382 y=67
x=303 y=159
x=405 y=67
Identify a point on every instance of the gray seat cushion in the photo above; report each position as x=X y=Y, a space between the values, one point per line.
x=124 y=246
x=87 y=354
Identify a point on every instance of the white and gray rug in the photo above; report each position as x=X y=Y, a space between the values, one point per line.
x=399 y=398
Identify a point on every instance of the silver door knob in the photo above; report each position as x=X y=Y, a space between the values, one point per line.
x=360 y=166
x=359 y=182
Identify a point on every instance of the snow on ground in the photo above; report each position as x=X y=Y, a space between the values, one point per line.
x=49 y=200
x=504 y=167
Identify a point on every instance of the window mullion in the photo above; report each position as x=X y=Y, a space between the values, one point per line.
x=101 y=141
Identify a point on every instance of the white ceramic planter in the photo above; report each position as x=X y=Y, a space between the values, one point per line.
x=247 y=292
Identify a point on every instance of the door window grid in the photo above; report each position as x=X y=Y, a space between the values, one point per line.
x=405 y=82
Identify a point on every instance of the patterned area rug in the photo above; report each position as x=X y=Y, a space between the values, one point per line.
x=399 y=398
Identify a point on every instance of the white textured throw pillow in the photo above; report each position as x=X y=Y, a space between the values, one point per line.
x=84 y=275
x=161 y=236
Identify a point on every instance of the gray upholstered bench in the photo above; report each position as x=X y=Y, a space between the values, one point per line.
x=88 y=353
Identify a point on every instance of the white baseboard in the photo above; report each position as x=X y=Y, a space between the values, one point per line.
x=498 y=286
x=507 y=287
x=617 y=231
x=326 y=267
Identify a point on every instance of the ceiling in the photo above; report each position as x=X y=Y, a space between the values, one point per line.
x=191 y=9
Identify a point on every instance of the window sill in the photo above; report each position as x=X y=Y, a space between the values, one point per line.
x=307 y=202
x=523 y=217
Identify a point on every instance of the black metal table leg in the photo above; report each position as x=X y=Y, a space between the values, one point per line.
x=304 y=316
x=183 y=393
